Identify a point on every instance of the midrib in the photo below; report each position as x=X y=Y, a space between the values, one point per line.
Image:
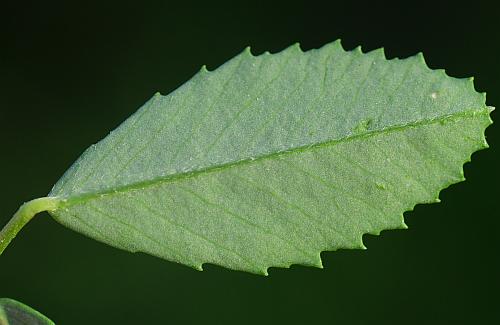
x=73 y=200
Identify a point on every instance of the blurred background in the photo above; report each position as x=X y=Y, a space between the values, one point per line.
x=72 y=71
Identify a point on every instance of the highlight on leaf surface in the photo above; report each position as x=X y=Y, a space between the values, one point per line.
x=269 y=160
x=15 y=313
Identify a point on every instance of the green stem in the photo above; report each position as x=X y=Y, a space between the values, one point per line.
x=25 y=213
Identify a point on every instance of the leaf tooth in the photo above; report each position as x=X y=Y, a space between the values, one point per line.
x=204 y=69
x=248 y=52
x=263 y=271
x=374 y=232
x=442 y=72
x=380 y=52
x=482 y=94
x=319 y=264
x=337 y=44
x=362 y=244
x=469 y=82
x=377 y=232
x=315 y=261
x=332 y=47
x=296 y=46
x=293 y=48
x=358 y=242
x=420 y=57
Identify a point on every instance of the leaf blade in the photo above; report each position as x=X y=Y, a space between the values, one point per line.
x=13 y=312
x=179 y=168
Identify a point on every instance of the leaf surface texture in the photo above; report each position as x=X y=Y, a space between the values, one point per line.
x=269 y=160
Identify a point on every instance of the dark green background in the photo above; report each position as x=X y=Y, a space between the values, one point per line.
x=70 y=72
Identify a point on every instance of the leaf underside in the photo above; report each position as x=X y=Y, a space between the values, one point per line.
x=15 y=313
x=270 y=160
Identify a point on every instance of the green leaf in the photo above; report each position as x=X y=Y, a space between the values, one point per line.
x=15 y=313
x=271 y=159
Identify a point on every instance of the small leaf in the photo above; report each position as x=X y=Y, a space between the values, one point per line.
x=270 y=160
x=15 y=313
